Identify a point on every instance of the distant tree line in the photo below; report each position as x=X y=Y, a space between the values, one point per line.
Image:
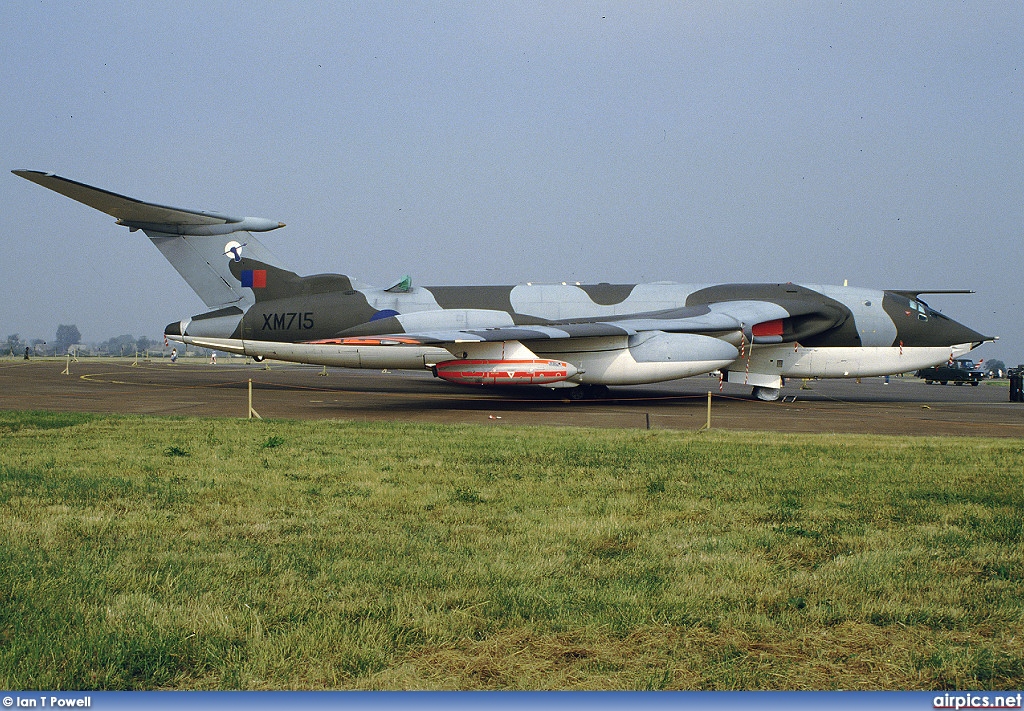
x=16 y=345
x=126 y=344
x=68 y=335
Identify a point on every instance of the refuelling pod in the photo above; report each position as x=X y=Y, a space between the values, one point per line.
x=504 y=372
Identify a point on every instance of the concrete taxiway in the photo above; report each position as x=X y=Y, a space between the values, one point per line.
x=195 y=388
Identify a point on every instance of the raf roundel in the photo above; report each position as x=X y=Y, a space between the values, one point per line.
x=233 y=250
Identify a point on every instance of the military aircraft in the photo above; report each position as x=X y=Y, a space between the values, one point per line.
x=584 y=337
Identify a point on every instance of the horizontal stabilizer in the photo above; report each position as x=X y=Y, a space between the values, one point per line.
x=915 y=294
x=136 y=214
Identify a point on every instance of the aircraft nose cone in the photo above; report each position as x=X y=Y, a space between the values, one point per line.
x=956 y=333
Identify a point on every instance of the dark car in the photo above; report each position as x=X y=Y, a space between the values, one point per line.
x=960 y=371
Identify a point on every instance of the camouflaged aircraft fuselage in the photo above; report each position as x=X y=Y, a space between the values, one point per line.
x=293 y=309
x=557 y=335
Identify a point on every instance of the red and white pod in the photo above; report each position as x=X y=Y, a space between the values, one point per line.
x=504 y=372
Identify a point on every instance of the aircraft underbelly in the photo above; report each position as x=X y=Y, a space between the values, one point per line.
x=847 y=362
x=613 y=361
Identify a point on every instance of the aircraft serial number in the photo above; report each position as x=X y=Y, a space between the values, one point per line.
x=302 y=321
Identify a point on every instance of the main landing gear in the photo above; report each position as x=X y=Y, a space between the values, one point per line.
x=766 y=394
x=588 y=392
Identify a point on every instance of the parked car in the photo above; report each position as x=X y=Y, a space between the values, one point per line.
x=960 y=371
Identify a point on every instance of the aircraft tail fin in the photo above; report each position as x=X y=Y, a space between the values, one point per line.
x=204 y=262
x=195 y=242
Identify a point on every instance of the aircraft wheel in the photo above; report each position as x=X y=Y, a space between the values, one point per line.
x=577 y=393
x=588 y=392
x=942 y=382
x=928 y=382
x=766 y=394
x=975 y=383
x=258 y=359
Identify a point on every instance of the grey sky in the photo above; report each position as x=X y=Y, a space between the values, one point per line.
x=477 y=143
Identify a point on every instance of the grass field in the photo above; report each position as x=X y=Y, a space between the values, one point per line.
x=140 y=553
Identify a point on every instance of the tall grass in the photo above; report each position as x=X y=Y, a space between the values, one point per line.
x=192 y=553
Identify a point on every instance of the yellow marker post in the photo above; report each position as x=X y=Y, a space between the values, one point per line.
x=252 y=412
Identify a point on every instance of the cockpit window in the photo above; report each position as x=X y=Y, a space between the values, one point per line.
x=922 y=312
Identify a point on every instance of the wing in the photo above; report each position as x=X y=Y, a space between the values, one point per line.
x=760 y=321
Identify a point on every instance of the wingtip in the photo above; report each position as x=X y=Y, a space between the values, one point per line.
x=25 y=173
